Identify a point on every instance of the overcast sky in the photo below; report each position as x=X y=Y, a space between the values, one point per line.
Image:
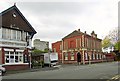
x=56 y=19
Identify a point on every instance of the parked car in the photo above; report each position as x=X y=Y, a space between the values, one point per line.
x=2 y=70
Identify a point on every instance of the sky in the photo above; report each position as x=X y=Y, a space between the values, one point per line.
x=54 y=19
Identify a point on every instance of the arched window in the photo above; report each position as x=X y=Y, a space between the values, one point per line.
x=86 y=56
x=66 y=56
x=72 y=56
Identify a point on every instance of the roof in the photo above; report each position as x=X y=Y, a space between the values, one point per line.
x=2 y=14
x=77 y=33
x=74 y=33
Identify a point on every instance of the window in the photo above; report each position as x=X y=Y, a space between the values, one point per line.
x=87 y=42
x=14 y=15
x=72 y=56
x=65 y=45
x=66 y=56
x=60 y=47
x=77 y=43
x=80 y=42
x=6 y=56
x=97 y=56
x=3 y=33
x=9 y=34
x=93 y=56
x=54 y=49
x=71 y=44
x=13 y=57
x=11 y=60
x=86 y=56
x=18 y=35
x=23 y=36
x=14 y=34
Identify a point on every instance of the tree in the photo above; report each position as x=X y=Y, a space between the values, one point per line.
x=46 y=50
x=36 y=51
x=106 y=43
x=117 y=46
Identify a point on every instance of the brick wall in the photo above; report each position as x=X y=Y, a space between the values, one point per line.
x=17 y=67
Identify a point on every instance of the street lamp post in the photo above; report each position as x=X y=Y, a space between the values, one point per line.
x=49 y=57
x=89 y=59
x=30 y=59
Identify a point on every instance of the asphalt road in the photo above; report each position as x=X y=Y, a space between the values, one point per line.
x=93 y=71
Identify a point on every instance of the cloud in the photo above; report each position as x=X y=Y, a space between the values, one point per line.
x=54 y=20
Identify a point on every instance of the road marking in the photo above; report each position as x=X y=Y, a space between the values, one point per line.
x=115 y=77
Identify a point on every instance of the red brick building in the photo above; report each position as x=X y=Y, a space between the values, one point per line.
x=57 y=47
x=89 y=47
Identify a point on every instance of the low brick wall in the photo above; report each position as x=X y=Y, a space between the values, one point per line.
x=70 y=62
x=86 y=62
x=17 y=67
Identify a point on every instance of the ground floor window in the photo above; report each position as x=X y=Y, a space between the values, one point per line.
x=72 y=56
x=97 y=56
x=13 y=57
x=100 y=56
x=86 y=56
x=66 y=56
x=93 y=56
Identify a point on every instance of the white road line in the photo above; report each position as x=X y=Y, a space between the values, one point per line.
x=115 y=77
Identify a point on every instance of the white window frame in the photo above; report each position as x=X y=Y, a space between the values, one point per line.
x=20 y=54
x=93 y=56
x=72 y=56
x=66 y=56
x=86 y=56
x=97 y=56
x=100 y=56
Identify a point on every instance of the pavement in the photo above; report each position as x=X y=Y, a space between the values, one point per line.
x=31 y=70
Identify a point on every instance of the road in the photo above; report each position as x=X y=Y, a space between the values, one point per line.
x=93 y=71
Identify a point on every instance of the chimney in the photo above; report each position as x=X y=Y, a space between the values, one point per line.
x=96 y=35
x=14 y=4
x=92 y=33
x=79 y=30
x=85 y=32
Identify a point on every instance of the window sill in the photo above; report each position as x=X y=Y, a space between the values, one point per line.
x=16 y=64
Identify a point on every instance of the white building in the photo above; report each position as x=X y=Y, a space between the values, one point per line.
x=16 y=35
x=40 y=45
x=108 y=49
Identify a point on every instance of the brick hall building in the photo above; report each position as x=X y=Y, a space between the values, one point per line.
x=16 y=35
x=89 y=47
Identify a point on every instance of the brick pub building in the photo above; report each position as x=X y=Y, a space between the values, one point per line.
x=89 y=47
x=16 y=35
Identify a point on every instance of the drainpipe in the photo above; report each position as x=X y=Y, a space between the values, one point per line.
x=62 y=52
